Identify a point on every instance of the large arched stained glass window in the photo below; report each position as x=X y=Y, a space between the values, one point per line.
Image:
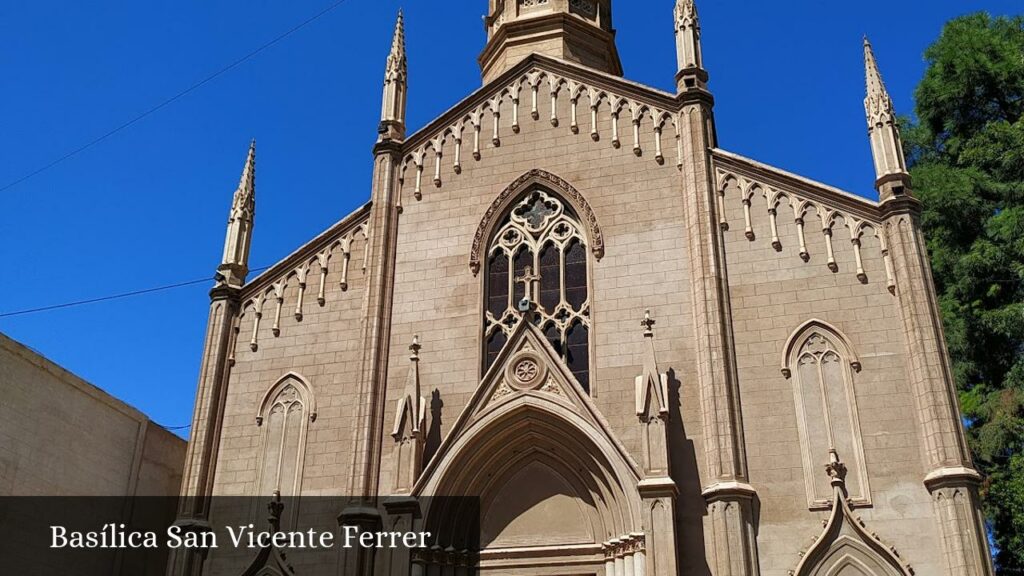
x=541 y=233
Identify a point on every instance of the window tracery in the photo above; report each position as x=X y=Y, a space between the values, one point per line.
x=585 y=8
x=541 y=233
x=529 y=4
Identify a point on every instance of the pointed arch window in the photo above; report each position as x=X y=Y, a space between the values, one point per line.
x=822 y=365
x=285 y=414
x=543 y=233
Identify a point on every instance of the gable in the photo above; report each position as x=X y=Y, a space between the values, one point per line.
x=512 y=102
x=528 y=372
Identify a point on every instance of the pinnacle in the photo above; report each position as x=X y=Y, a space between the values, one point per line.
x=247 y=183
x=398 y=42
x=396 y=58
x=686 y=9
x=875 y=85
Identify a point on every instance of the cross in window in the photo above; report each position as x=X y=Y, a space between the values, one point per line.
x=530 y=281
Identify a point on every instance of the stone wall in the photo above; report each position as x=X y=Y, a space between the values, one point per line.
x=774 y=291
x=639 y=207
x=61 y=436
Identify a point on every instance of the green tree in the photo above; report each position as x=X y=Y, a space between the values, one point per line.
x=967 y=160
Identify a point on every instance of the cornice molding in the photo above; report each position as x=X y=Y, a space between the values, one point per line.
x=305 y=252
x=816 y=191
x=589 y=76
x=956 y=476
x=900 y=205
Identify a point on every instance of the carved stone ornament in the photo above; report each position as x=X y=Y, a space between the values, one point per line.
x=543 y=178
x=526 y=371
x=503 y=390
x=551 y=387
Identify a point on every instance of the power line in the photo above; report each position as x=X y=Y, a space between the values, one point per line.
x=112 y=297
x=176 y=97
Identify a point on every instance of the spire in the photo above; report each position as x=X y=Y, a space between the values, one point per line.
x=892 y=178
x=246 y=191
x=878 y=104
x=578 y=31
x=397 y=55
x=691 y=74
x=235 y=264
x=392 y=116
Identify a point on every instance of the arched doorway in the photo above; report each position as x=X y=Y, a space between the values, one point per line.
x=556 y=496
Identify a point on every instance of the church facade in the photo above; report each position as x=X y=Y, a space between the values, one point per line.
x=644 y=354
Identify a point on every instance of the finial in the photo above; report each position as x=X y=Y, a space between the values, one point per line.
x=835 y=468
x=648 y=324
x=415 y=348
x=275 y=507
x=686 y=11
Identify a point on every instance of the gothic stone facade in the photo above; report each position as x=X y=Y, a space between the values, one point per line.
x=644 y=353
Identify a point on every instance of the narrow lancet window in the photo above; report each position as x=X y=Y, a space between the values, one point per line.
x=541 y=234
x=284 y=415
x=822 y=368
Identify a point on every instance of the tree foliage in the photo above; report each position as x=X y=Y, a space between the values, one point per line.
x=967 y=157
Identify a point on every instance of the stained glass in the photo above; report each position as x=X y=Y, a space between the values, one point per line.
x=578 y=354
x=576 y=275
x=537 y=211
x=543 y=234
x=550 y=284
x=524 y=260
x=497 y=285
x=494 y=345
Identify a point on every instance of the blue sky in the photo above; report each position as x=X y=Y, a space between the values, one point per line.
x=148 y=206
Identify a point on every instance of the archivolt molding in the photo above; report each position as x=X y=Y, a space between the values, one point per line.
x=305 y=270
x=522 y=184
x=644 y=119
x=811 y=205
x=521 y=428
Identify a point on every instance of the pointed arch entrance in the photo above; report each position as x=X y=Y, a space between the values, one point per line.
x=554 y=485
x=549 y=488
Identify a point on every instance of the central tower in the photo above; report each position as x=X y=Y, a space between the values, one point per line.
x=575 y=30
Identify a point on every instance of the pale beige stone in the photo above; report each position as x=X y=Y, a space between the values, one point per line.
x=61 y=436
x=699 y=447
